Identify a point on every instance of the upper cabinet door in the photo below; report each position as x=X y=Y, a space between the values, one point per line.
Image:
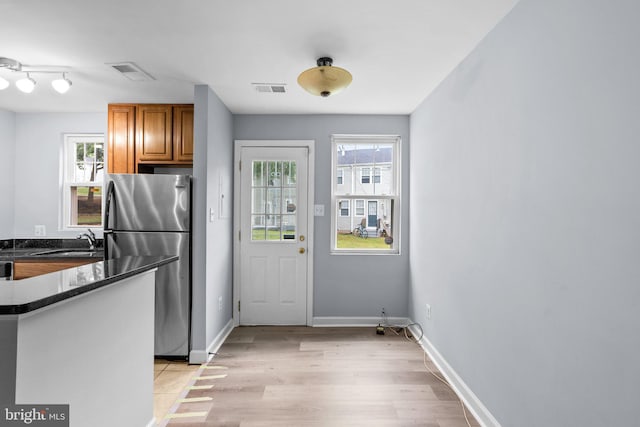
x=153 y=123
x=183 y=133
x=121 y=138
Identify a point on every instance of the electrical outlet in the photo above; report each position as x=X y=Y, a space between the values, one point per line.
x=318 y=210
x=219 y=303
x=40 y=231
x=428 y=312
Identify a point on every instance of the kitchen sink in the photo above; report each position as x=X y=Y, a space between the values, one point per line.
x=67 y=252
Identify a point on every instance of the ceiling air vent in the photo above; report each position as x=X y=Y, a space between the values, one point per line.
x=131 y=71
x=270 y=87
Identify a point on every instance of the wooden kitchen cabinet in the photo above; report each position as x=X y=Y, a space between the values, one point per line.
x=183 y=133
x=142 y=136
x=120 y=141
x=153 y=133
x=24 y=269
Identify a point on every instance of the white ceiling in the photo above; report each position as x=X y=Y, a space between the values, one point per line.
x=397 y=51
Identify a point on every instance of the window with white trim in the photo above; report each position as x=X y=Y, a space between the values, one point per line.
x=344 y=207
x=83 y=174
x=371 y=163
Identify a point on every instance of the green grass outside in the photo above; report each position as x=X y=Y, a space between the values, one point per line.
x=90 y=219
x=349 y=241
x=258 y=234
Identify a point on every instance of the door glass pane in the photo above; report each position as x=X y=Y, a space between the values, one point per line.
x=289 y=200
x=273 y=227
x=274 y=174
x=258 y=200
x=289 y=174
x=273 y=200
x=288 y=227
x=258 y=229
x=259 y=173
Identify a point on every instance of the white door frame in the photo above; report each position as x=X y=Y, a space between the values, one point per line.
x=239 y=144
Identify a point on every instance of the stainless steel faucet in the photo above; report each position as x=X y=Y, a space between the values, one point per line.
x=90 y=237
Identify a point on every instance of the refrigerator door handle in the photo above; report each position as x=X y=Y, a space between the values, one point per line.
x=107 y=207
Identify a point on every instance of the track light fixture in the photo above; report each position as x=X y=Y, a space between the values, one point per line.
x=26 y=84
x=61 y=85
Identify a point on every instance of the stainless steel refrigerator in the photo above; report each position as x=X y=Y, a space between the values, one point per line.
x=151 y=215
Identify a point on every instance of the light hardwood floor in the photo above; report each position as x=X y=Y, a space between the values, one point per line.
x=299 y=376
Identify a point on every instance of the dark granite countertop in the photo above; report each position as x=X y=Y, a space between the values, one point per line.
x=23 y=296
x=43 y=249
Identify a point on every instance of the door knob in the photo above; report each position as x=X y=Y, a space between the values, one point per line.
x=301 y=250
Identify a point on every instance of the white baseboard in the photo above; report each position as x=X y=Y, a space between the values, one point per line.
x=471 y=401
x=199 y=356
x=320 y=322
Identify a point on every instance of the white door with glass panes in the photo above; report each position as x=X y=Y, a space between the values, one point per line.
x=273 y=236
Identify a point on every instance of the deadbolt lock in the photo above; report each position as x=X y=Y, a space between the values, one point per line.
x=302 y=238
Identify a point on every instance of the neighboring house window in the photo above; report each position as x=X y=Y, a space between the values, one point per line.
x=83 y=173
x=344 y=208
x=376 y=175
x=372 y=165
x=366 y=176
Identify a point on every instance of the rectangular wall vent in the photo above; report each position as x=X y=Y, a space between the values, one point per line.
x=131 y=71
x=270 y=87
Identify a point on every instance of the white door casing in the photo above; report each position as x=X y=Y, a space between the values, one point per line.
x=273 y=263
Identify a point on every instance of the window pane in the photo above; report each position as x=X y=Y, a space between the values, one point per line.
x=376 y=233
x=86 y=206
x=289 y=172
x=289 y=202
x=259 y=172
x=367 y=181
x=288 y=227
x=258 y=229
x=258 y=200
x=273 y=227
x=274 y=174
x=365 y=158
x=273 y=200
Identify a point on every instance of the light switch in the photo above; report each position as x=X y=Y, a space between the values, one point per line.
x=318 y=210
x=212 y=215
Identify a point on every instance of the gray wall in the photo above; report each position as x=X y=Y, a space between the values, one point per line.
x=7 y=172
x=344 y=285
x=38 y=153
x=212 y=245
x=525 y=208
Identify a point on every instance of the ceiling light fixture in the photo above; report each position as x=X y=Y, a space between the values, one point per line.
x=11 y=64
x=26 y=84
x=325 y=79
x=61 y=85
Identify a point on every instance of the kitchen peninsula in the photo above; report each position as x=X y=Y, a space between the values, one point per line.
x=83 y=337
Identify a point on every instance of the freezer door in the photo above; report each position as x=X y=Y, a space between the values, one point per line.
x=148 y=202
x=173 y=284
